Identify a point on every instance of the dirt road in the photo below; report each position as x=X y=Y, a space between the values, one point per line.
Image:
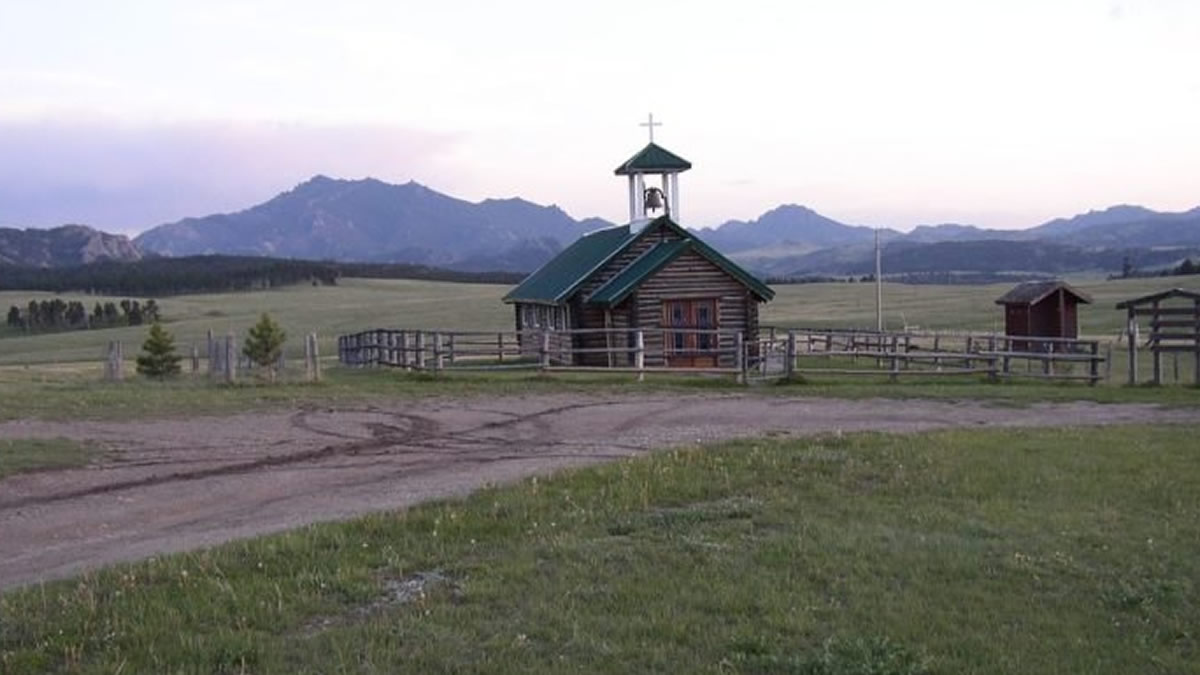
x=172 y=485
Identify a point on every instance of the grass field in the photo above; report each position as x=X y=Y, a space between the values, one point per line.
x=57 y=375
x=31 y=454
x=357 y=304
x=353 y=305
x=1051 y=551
x=75 y=391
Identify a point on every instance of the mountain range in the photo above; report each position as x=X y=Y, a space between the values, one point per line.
x=63 y=246
x=373 y=221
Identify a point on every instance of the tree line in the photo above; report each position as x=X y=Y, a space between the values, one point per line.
x=1130 y=271
x=54 y=315
x=217 y=274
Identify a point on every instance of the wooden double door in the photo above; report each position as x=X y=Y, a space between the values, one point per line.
x=685 y=340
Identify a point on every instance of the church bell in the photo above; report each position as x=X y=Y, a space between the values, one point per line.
x=653 y=199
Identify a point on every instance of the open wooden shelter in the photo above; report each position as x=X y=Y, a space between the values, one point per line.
x=651 y=275
x=1174 y=328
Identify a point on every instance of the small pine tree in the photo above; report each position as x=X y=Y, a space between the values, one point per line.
x=158 y=357
x=264 y=344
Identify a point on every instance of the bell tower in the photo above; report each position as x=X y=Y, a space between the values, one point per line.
x=646 y=201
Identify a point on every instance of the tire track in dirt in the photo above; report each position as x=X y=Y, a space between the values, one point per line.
x=387 y=435
x=256 y=473
x=385 y=439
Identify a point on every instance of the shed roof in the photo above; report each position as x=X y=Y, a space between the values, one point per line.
x=1161 y=295
x=617 y=288
x=554 y=281
x=1033 y=292
x=652 y=159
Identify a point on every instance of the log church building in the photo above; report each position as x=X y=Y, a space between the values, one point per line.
x=652 y=275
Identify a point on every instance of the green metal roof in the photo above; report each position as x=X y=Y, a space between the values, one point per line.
x=653 y=158
x=554 y=281
x=731 y=268
x=616 y=289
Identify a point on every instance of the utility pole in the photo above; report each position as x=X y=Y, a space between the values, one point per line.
x=878 y=285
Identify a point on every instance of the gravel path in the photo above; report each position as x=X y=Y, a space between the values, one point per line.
x=176 y=484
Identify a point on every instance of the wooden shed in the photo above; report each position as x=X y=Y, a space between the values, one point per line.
x=651 y=275
x=1042 y=309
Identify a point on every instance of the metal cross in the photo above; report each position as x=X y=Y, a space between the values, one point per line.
x=651 y=124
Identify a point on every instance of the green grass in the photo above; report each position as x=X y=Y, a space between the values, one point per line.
x=19 y=455
x=357 y=304
x=352 y=305
x=1049 y=551
x=57 y=375
x=934 y=307
x=74 y=391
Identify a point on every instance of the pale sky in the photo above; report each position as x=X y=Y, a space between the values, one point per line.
x=126 y=114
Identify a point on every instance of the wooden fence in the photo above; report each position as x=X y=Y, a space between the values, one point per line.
x=774 y=353
x=223 y=358
x=832 y=352
x=545 y=350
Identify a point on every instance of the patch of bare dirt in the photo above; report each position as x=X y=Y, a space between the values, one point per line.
x=171 y=485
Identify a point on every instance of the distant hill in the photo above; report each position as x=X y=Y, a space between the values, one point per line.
x=789 y=224
x=369 y=220
x=1144 y=228
x=1113 y=215
x=797 y=242
x=63 y=246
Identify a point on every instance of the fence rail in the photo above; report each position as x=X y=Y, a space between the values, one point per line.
x=815 y=352
x=772 y=353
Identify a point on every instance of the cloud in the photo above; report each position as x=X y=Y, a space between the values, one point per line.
x=128 y=177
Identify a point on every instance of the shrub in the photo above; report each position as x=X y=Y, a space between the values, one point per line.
x=264 y=344
x=158 y=357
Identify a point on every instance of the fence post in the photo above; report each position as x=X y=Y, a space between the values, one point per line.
x=1132 y=331
x=1094 y=364
x=544 y=350
x=230 y=359
x=316 y=357
x=639 y=354
x=764 y=349
x=500 y=346
x=209 y=353
x=451 y=354
x=991 y=360
x=739 y=356
x=308 y=374
x=216 y=354
x=195 y=358
x=437 y=352
x=420 y=349
x=789 y=366
x=112 y=369
x=1108 y=352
